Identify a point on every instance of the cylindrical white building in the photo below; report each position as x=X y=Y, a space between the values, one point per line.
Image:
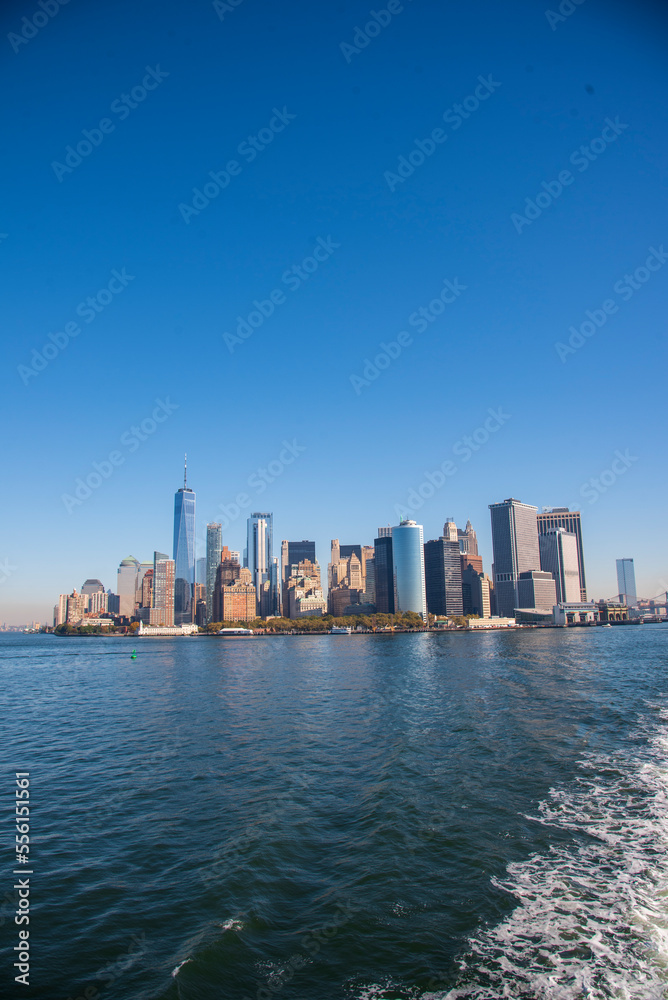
x=410 y=593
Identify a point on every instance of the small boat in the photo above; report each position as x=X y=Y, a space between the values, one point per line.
x=607 y=625
x=340 y=630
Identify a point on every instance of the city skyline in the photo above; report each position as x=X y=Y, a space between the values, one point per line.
x=538 y=562
x=561 y=515
x=348 y=252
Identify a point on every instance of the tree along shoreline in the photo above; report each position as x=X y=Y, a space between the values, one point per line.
x=410 y=620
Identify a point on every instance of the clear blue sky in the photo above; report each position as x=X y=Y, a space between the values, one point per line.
x=328 y=170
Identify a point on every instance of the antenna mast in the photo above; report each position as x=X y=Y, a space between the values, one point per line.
x=185 y=471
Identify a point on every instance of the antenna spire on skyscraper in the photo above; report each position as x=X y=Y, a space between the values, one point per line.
x=185 y=471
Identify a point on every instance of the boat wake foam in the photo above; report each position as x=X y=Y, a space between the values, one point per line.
x=592 y=919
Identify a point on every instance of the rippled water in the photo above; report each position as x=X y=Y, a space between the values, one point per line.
x=342 y=817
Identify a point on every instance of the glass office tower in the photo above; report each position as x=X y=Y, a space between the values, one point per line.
x=626 y=582
x=408 y=558
x=562 y=517
x=515 y=546
x=383 y=574
x=214 y=547
x=443 y=577
x=184 y=554
x=559 y=556
x=260 y=552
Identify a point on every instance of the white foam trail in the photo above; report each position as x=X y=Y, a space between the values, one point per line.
x=592 y=919
x=175 y=971
x=232 y=925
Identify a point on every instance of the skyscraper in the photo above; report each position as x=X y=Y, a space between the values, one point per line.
x=468 y=540
x=76 y=607
x=559 y=556
x=214 y=546
x=60 y=610
x=184 y=553
x=346 y=577
x=443 y=576
x=163 y=591
x=384 y=573
x=126 y=586
x=562 y=517
x=292 y=553
x=147 y=588
x=475 y=592
x=408 y=558
x=515 y=546
x=143 y=569
x=626 y=582
x=259 y=551
x=450 y=531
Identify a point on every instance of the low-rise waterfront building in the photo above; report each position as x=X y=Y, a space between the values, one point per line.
x=483 y=623
x=613 y=611
x=185 y=629
x=576 y=613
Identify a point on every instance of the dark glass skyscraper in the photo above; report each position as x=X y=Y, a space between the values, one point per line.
x=297 y=552
x=384 y=575
x=214 y=547
x=443 y=577
x=184 y=554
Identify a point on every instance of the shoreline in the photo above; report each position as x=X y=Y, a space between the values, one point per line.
x=298 y=634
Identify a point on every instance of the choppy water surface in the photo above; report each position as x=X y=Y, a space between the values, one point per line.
x=343 y=817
